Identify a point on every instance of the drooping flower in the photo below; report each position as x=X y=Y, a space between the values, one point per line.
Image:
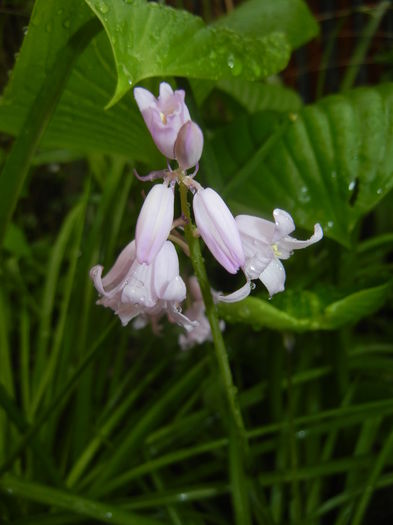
x=154 y=222
x=196 y=312
x=164 y=116
x=132 y=289
x=266 y=242
x=188 y=145
x=218 y=229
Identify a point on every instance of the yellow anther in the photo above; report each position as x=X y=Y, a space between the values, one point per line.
x=163 y=117
x=276 y=251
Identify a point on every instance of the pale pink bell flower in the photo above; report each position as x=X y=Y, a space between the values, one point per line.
x=154 y=222
x=132 y=289
x=164 y=116
x=266 y=242
x=218 y=229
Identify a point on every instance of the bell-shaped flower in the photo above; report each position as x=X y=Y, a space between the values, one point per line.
x=132 y=289
x=189 y=145
x=164 y=116
x=154 y=222
x=196 y=312
x=218 y=229
x=266 y=242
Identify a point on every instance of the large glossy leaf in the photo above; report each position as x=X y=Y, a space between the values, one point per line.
x=149 y=39
x=329 y=163
x=306 y=310
x=256 y=17
x=80 y=123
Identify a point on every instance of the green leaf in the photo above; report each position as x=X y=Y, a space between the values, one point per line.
x=149 y=39
x=103 y=512
x=39 y=114
x=305 y=311
x=291 y=17
x=80 y=123
x=15 y=241
x=254 y=96
x=331 y=163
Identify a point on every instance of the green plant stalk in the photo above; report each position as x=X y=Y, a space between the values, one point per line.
x=357 y=58
x=372 y=481
x=239 y=452
x=57 y=401
x=211 y=314
x=18 y=162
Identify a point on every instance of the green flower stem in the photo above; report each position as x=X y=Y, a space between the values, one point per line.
x=211 y=314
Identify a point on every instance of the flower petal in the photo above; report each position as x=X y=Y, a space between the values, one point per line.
x=289 y=243
x=175 y=290
x=139 y=289
x=284 y=224
x=234 y=297
x=218 y=229
x=255 y=230
x=114 y=279
x=144 y=98
x=154 y=222
x=175 y=316
x=165 y=268
x=273 y=277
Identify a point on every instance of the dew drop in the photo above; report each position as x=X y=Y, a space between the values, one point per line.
x=103 y=8
x=234 y=64
x=304 y=194
x=253 y=286
x=352 y=185
x=182 y=497
x=379 y=191
x=231 y=61
x=108 y=515
x=334 y=175
x=25 y=30
x=329 y=224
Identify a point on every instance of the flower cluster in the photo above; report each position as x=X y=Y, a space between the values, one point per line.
x=144 y=284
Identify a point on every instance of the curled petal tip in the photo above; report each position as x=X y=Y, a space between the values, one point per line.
x=234 y=297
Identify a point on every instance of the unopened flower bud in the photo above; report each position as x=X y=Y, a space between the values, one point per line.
x=189 y=145
x=218 y=229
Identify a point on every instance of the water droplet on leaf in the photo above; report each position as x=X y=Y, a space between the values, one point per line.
x=103 y=8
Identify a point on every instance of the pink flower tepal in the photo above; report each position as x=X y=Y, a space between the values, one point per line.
x=154 y=222
x=164 y=116
x=218 y=229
